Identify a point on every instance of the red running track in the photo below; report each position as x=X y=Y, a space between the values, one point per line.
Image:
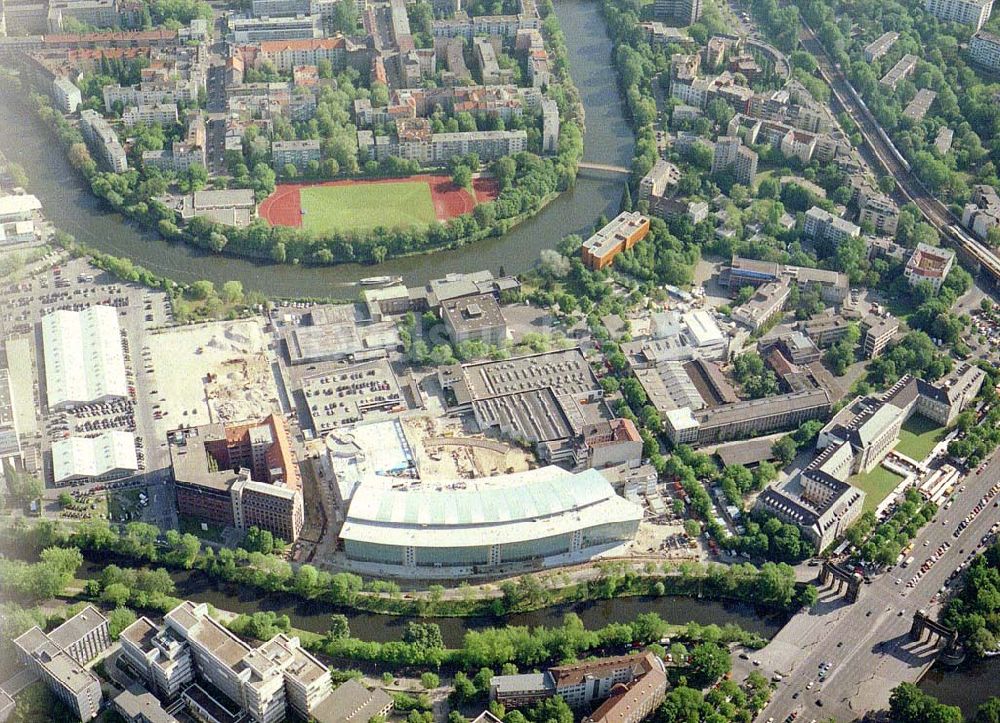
x=284 y=206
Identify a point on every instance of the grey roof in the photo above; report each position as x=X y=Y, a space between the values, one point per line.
x=352 y=702
x=77 y=627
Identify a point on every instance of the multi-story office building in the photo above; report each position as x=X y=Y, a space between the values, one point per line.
x=767 y=302
x=984 y=50
x=296 y=153
x=263 y=681
x=877 y=332
x=731 y=155
x=102 y=138
x=158 y=655
x=474 y=318
x=824 y=226
x=59 y=658
x=241 y=475
x=746 y=418
x=621 y=234
x=968 y=12
x=819 y=500
x=677 y=12
x=929 y=264
x=833 y=286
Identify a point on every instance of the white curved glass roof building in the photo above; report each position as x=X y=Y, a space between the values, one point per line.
x=522 y=517
x=84 y=361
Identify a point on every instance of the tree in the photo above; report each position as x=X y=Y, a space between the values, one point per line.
x=119 y=619
x=989 y=712
x=203 y=289
x=430 y=680
x=692 y=528
x=339 y=627
x=784 y=449
x=24 y=488
x=461 y=176
x=65 y=499
x=709 y=662
x=808 y=596
x=115 y=594
x=232 y=292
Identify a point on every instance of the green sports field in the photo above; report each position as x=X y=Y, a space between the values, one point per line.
x=363 y=206
x=876 y=484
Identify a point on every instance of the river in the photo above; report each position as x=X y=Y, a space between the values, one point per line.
x=608 y=140
x=314 y=616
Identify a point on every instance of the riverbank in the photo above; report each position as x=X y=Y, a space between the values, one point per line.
x=608 y=139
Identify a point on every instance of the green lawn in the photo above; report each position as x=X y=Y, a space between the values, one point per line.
x=918 y=437
x=876 y=484
x=193 y=525
x=365 y=206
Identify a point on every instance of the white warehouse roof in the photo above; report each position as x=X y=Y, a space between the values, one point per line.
x=79 y=457
x=18 y=205
x=84 y=361
x=518 y=507
x=703 y=328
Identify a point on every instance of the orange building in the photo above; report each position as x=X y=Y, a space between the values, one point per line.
x=624 y=232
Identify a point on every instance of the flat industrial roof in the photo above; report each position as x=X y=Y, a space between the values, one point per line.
x=83 y=355
x=529 y=505
x=93 y=456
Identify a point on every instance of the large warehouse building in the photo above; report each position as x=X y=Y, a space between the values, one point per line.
x=84 y=361
x=531 y=517
x=109 y=455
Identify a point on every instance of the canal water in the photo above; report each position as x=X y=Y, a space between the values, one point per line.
x=608 y=140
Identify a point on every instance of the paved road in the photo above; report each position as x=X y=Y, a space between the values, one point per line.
x=908 y=185
x=868 y=643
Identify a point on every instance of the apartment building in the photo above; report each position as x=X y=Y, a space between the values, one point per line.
x=59 y=659
x=580 y=685
x=102 y=138
x=930 y=264
x=296 y=153
x=917 y=108
x=677 y=12
x=882 y=213
x=877 y=332
x=162 y=113
x=66 y=95
x=661 y=176
x=967 y=12
x=824 y=226
x=247 y=31
x=984 y=50
x=902 y=69
x=879 y=47
x=634 y=701
x=982 y=213
x=621 y=234
x=732 y=156
x=288 y=54
x=96 y=13
x=182 y=154
x=263 y=681
x=550 y=126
